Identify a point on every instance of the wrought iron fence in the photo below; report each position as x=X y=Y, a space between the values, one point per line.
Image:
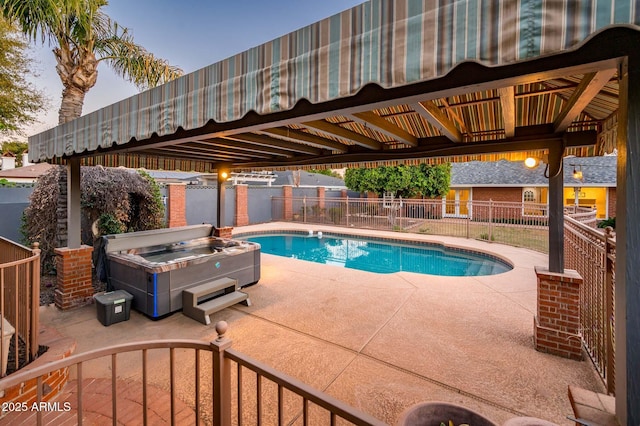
x=19 y=303
x=592 y=252
x=517 y=224
x=209 y=387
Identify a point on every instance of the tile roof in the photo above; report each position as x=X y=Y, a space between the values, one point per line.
x=597 y=171
x=32 y=171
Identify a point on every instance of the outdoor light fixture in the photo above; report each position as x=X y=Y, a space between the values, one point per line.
x=577 y=173
x=223 y=175
x=531 y=162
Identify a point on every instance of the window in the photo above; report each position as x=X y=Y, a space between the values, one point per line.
x=534 y=201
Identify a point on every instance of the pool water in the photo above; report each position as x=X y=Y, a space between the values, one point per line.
x=380 y=257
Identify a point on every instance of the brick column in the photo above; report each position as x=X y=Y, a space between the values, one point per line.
x=73 y=286
x=225 y=232
x=242 y=205
x=557 y=324
x=177 y=200
x=287 y=193
x=321 y=190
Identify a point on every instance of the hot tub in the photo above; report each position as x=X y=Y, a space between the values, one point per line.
x=156 y=266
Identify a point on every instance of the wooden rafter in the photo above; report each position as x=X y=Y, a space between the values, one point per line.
x=176 y=152
x=588 y=88
x=441 y=146
x=270 y=142
x=341 y=132
x=508 y=103
x=243 y=147
x=383 y=125
x=430 y=112
x=314 y=140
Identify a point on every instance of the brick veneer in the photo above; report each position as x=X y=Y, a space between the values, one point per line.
x=612 y=202
x=497 y=194
x=73 y=269
x=59 y=347
x=242 y=205
x=225 y=232
x=557 y=324
x=177 y=210
x=287 y=193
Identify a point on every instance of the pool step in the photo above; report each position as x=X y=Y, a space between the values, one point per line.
x=224 y=292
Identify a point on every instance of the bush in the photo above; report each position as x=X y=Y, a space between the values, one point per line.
x=117 y=200
x=608 y=222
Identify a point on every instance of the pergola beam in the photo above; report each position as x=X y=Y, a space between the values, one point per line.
x=430 y=112
x=508 y=104
x=588 y=88
x=317 y=141
x=243 y=147
x=270 y=142
x=341 y=132
x=386 y=127
x=443 y=147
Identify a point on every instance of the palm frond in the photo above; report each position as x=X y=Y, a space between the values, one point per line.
x=132 y=61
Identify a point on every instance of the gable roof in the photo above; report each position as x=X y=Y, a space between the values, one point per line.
x=597 y=171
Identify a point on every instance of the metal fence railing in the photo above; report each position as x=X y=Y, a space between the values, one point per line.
x=209 y=387
x=517 y=224
x=592 y=252
x=19 y=304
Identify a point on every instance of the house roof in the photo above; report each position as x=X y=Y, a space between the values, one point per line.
x=386 y=82
x=597 y=171
x=286 y=177
x=32 y=171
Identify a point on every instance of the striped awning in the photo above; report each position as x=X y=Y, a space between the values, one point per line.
x=288 y=91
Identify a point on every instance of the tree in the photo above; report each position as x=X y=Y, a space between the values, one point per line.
x=19 y=100
x=403 y=181
x=83 y=36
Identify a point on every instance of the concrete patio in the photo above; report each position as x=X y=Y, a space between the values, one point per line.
x=378 y=342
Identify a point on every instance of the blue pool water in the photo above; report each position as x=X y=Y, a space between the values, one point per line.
x=381 y=257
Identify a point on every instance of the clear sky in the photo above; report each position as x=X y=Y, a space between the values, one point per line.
x=189 y=33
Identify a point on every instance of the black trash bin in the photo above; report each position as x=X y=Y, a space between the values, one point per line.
x=113 y=306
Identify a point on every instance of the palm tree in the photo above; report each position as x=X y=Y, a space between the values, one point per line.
x=83 y=36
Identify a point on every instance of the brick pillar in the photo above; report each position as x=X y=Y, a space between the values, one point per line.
x=557 y=324
x=73 y=286
x=242 y=205
x=287 y=193
x=321 y=190
x=224 y=232
x=177 y=200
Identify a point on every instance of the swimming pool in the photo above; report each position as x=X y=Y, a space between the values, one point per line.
x=379 y=255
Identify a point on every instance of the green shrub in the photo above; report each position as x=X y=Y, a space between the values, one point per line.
x=608 y=222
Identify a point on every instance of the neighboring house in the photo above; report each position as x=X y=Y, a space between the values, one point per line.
x=513 y=181
x=304 y=179
x=165 y=176
x=26 y=174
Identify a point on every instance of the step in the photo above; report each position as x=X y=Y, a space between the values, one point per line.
x=202 y=311
x=211 y=287
x=592 y=408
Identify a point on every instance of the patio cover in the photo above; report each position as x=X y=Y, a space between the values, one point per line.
x=392 y=44
x=391 y=82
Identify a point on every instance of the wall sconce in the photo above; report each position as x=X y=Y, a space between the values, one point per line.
x=223 y=175
x=531 y=162
x=577 y=173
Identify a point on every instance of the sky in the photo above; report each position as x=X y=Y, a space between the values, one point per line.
x=190 y=34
